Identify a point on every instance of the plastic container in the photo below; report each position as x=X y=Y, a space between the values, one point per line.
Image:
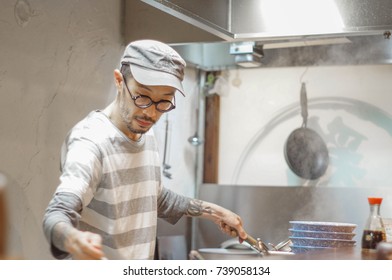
x=374 y=230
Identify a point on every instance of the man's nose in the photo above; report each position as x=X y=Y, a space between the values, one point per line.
x=151 y=111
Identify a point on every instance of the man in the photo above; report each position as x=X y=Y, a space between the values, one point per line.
x=110 y=193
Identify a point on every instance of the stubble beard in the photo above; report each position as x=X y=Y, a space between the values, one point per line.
x=125 y=113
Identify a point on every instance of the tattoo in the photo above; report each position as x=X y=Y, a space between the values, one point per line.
x=196 y=208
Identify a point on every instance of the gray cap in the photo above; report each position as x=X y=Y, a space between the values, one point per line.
x=154 y=63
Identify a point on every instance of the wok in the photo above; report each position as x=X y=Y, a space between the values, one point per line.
x=305 y=151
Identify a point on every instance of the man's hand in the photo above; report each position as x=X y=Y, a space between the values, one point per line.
x=229 y=222
x=84 y=245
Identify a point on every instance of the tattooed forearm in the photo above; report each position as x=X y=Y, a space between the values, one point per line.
x=196 y=208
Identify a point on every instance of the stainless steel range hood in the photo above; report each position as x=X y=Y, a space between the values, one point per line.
x=291 y=25
x=261 y=20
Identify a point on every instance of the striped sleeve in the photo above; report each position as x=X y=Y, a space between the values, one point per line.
x=64 y=207
x=172 y=206
x=81 y=168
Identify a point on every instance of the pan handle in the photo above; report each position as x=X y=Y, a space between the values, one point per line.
x=304 y=105
x=257 y=245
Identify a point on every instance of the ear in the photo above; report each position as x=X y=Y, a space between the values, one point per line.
x=118 y=79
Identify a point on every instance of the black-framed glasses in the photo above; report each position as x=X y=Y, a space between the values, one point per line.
x=144 y=101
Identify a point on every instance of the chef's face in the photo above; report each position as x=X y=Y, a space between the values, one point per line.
x=141 y=106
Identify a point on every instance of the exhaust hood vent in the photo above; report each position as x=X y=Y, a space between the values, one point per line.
x=357 y=50
x=247 y=54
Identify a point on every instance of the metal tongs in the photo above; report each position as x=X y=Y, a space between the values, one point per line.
x=257 y=245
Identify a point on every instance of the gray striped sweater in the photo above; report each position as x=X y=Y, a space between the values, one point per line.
x=112 y=185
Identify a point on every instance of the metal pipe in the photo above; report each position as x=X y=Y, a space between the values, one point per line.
x=199 y=151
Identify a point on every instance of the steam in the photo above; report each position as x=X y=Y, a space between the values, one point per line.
x=361 y=50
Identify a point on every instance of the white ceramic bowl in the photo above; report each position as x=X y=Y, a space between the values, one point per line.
x=322 y=234
x=321 y=242
x=322 y=226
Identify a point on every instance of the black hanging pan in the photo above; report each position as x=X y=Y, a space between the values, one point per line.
x=305 y=151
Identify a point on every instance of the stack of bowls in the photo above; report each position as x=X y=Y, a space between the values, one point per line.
x=310 y=236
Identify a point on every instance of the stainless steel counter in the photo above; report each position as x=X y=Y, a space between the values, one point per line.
x=266 y=211
x=348 y=253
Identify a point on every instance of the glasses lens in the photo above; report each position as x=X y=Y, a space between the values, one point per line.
x=164 y=106
x=143 y=101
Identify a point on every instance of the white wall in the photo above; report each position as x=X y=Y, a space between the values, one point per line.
x=57 y=61
x=349 y=106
